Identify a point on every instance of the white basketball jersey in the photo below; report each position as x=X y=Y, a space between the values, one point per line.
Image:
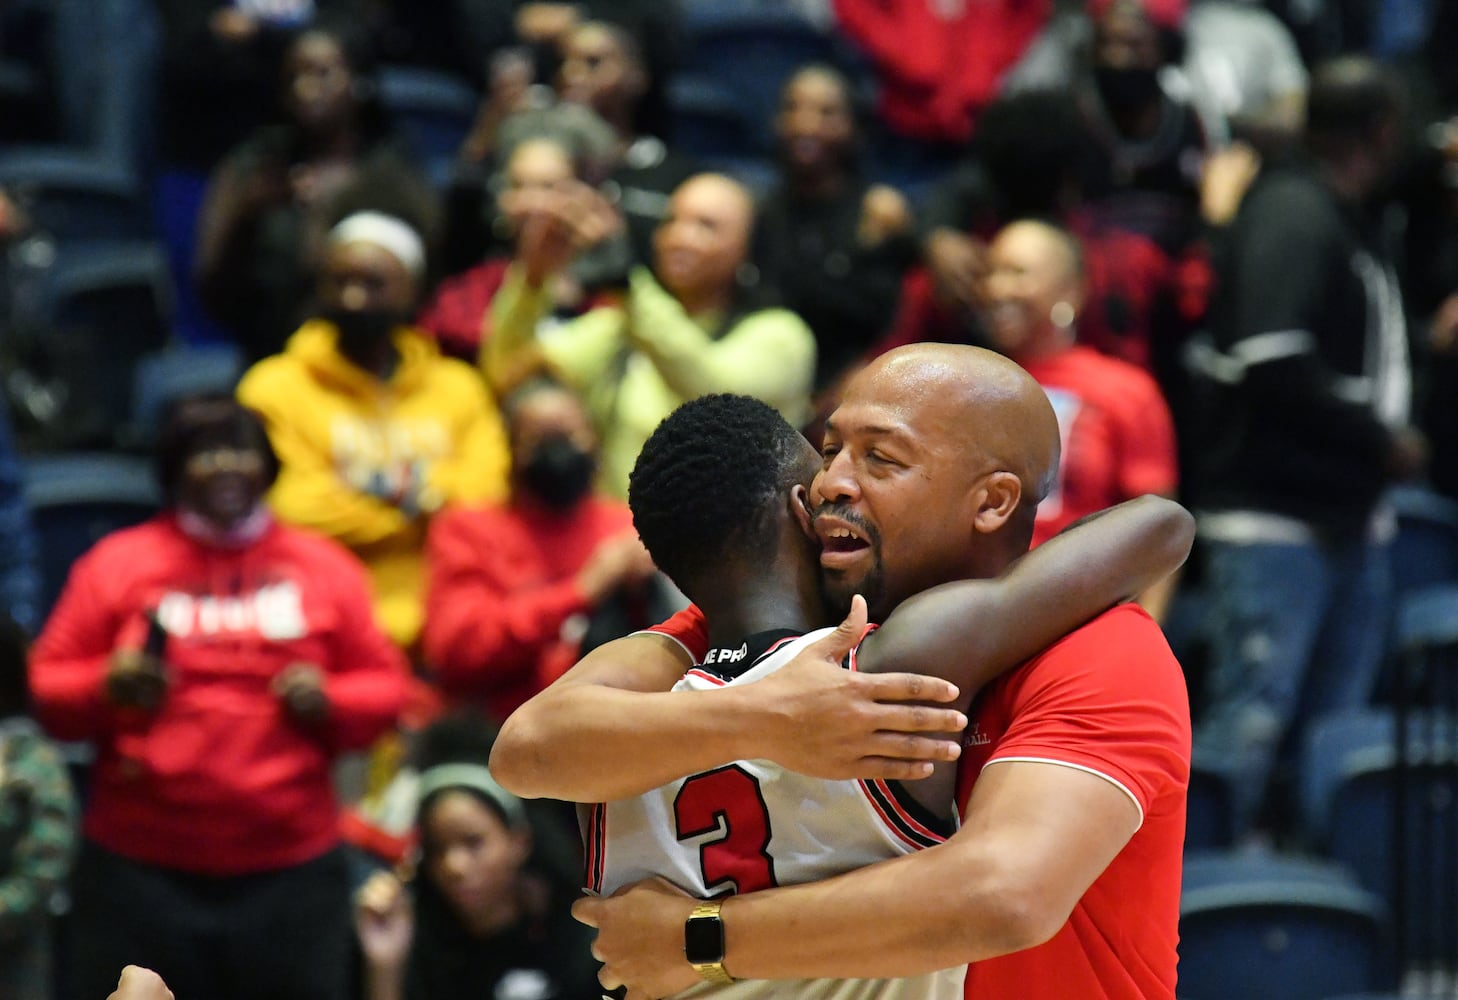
x=754 y=825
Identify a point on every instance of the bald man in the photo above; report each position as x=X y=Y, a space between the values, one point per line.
x=1086 y=747
x=1117 y=432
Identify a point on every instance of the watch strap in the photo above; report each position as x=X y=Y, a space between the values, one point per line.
x=711 y=971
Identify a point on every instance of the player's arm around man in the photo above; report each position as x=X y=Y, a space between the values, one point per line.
x=570 y=741
x=1036 y=835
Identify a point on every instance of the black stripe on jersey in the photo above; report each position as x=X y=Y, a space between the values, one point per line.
x=730 y=663
x=942 y=825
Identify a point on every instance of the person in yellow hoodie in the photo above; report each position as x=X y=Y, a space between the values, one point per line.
x=697 y=324
x=374 y=428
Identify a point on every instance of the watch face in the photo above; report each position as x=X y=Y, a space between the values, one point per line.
x=703 y=940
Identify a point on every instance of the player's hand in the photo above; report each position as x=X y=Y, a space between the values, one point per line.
x=640 y=938
x=135 y=680
x=300 y=686
x=137 y=983
x=828 y=722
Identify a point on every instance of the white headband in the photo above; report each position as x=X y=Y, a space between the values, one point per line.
x=476 y=777
x=383 y=231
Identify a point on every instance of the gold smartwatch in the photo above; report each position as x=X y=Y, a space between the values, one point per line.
x=703 y=942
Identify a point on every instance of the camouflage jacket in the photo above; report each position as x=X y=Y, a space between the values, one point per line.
x=37 y=827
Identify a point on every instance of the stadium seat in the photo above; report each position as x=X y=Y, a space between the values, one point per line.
x=750 y=51
x=1209 y=816
x=1425 y=552
x=1258 y=926
x=707 y=119
x=90 y=183
x=77 y=498
x=113 y=302
x=169 y=375
x=1352 y=784
x=434 y=111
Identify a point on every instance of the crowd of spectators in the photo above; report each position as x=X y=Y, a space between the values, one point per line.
x=1222 y=234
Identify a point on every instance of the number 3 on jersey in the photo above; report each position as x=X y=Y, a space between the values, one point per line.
x=727 y=799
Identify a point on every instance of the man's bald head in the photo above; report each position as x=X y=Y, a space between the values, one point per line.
x=986 y=405
x=934 y=464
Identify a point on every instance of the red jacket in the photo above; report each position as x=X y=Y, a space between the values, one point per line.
x=219 y=780
x=936 y=70
x=502 y=581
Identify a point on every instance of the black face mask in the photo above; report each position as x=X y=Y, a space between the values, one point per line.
x=558 y=473
x=1127 y=88
x=364 y=327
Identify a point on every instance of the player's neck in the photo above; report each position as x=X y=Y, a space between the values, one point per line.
x=732 y=617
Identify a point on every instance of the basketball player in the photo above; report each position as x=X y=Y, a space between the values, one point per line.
x=1068 y=860
x=718 y=496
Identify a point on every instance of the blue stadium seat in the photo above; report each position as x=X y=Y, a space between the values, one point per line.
x=77 y=498
x=112 y=301
x=1209 y=819
x=433 y=110
x=1258 y=926
x=1352 y=783
x=91 y=182
x=1425 y=552
x=750 y=51
x=707 y=119
x=169 y=375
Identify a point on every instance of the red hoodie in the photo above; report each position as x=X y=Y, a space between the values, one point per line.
x=940 y=62
x=502 y=582
x=219 y=780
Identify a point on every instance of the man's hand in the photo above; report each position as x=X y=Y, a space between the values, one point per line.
x=829 y=722
x=640 y=938
x=300 y=686
x=137 y=983
x=135 y=680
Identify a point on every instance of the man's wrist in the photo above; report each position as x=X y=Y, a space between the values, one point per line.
x=705 y=942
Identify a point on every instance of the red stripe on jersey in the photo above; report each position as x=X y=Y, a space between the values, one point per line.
x=788 y=638
x=706 y=676
x=886 y=820
x=905 y=816
x=850 y=660
x=596 y=838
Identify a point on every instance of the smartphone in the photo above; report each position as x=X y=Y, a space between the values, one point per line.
x=156 y=642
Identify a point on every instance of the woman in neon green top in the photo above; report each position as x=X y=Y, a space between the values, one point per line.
x=686 y=332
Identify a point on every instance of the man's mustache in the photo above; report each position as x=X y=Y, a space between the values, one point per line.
x=844 y=512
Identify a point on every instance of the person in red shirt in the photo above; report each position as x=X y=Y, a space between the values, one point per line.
x=512 y=587
x=939 y=64
x=1074 y=769
x=1118 y=436
x=218 y=661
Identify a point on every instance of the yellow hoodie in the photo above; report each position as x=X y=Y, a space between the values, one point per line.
x=367 y=461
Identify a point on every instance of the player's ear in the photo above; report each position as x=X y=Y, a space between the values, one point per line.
x=997 y=497
x=799 y=501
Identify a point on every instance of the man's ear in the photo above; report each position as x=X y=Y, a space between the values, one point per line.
x=799 y=501
x=996 y=499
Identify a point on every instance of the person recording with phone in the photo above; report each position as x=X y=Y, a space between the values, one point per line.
x=218 y=661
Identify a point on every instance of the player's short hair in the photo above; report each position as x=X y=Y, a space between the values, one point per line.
x=704 y=485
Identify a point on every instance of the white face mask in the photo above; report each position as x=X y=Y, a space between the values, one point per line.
x=249 y=529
